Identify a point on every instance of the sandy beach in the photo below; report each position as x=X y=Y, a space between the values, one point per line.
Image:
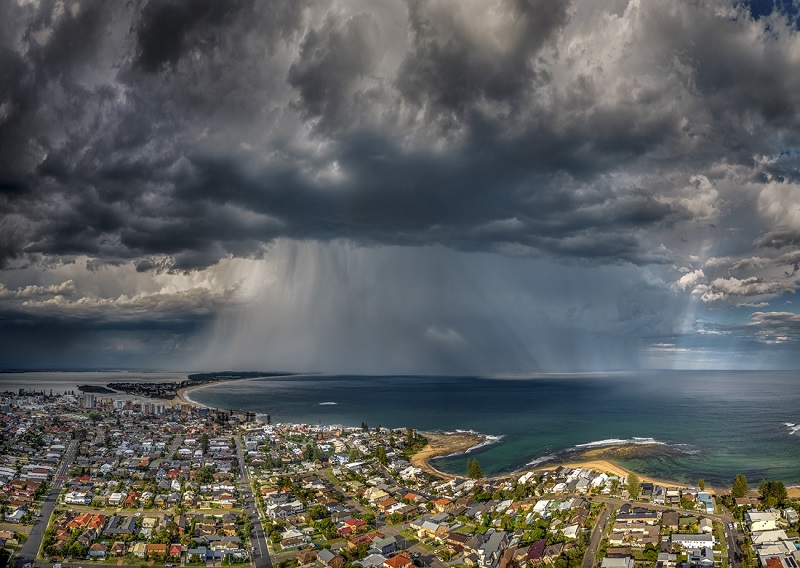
x=440 y=444
x=607 y=466
x=181 y=398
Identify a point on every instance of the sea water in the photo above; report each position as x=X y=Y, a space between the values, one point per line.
x=708 y=424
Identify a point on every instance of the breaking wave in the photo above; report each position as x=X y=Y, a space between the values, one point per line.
x=635 y=441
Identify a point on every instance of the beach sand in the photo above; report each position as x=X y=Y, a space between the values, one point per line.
x=607 y=466
x=180 y=396
x=440 y=444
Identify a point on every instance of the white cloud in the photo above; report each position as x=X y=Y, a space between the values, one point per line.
x=723 y=288
x=690 y=280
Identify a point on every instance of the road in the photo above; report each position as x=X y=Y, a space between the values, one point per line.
x=731 y=534
x=734 y=547
x=34 y=542
x=261 y=557
x=597 y=536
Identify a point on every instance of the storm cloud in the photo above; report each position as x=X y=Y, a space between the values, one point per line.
x=157 y=159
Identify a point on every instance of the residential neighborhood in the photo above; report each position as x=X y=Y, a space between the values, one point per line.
x=148 y=484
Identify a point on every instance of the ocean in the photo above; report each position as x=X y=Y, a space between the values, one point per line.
x=689 y=424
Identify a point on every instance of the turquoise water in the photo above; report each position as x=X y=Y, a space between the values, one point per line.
x=710 y=424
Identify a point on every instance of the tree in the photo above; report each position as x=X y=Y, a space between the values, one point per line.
x=365 y=427
x=205 y=474
x=739 y=487
x=772 y=493
x=318 y=512
x=77 y=550
x=382 y=456
x=474 y=469
x=634 y=485
x=269 y=420
x=204 y=442
x=409 y=437
x=701 y=483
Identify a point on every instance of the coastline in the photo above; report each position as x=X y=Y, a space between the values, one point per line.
x=611 y=467
x=446 y=444
x=443 y=444
x=181 y=397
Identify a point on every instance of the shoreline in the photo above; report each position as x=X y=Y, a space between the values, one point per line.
x=441 y=444
x=611 y=467
x=181 y=397
x=445 y=444
x=449 y=444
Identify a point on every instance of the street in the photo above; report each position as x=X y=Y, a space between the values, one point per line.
x=597 y=536
x=34 y=542
x=260 y=552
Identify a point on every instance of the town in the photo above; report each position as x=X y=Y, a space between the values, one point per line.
x=88 y=480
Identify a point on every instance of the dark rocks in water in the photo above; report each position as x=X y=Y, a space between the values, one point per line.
x=627 y=452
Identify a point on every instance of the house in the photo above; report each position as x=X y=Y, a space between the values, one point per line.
x=385 y=545
x=118 y=548
x=693 y=541
x=705 y=502
x=78 y=498
x=669 y=520
x=17 y=515
x=199 y=554
x=703 y=557
x=402 y=560
x=705 y=525
x=760 y=521
x=535 y=553
x=571 y=531
x=638 y=515
x=175 y=550
x=121 y=526
x=626 y=562
x=116 y=499
x=139 y=550
x=156 y=550
x=98 y=550
x=666 y=560
x=373 y=561
x=328 y=558
x=552 y=552
x=766 y=537
x=490 y=551
x=306 y=557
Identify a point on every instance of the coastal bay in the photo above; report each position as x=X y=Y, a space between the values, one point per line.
x=677 y=426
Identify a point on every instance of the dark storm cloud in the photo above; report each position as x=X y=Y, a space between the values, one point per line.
x=448 y=68
x=149 y=143
x=330 y=60
x=133 y=141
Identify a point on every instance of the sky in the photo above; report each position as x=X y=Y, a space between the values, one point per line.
x=418 y=186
